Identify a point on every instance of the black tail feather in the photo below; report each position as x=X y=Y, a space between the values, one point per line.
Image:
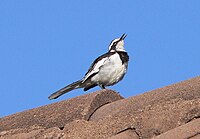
x=66 y=89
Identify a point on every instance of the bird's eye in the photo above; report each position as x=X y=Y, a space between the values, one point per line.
x=115 y=43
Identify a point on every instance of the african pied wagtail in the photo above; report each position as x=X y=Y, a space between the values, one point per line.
x=106 y=70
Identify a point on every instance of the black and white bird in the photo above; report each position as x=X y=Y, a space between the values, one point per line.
x=106 y=70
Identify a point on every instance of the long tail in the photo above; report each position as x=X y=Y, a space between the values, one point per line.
x=66 y=89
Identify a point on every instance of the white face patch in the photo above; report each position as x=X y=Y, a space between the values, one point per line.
x=119 y=46
x=111 y=44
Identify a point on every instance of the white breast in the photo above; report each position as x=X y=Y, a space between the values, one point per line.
x=112 y=71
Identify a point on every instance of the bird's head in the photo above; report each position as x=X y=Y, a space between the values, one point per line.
x=117 y=44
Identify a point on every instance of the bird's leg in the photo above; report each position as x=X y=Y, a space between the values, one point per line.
x=102 y=86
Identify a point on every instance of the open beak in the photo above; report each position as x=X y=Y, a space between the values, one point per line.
x=123 y=36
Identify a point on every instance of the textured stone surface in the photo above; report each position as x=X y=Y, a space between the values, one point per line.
x=128 y=134
x=188 y=90
x=190 y=130
x=157 y=111
x=169 y=112
x=60 y=113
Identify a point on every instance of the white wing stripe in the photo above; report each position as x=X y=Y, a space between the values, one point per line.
x=96 y=68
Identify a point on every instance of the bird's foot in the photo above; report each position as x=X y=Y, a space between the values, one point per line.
x=102 y=86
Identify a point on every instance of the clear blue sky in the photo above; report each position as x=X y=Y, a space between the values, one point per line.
x=45 y=45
